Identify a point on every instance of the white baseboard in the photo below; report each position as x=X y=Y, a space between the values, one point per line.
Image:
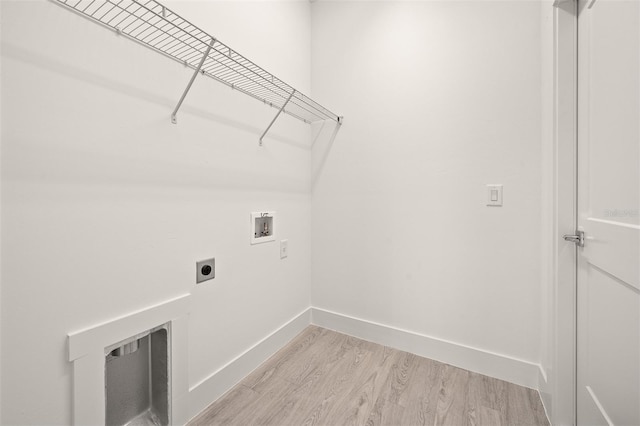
x=492 y=364
x=545 y=393
x=217 y=384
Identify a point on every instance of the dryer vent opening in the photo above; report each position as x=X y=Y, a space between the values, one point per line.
x=137 y=379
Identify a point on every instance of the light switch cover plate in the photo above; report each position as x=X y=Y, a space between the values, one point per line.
x=494 y=195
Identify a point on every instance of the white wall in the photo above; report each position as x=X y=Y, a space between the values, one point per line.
x=440 y=98
x=106 y=206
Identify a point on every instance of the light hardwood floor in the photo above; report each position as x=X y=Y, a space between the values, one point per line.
x=326 y=378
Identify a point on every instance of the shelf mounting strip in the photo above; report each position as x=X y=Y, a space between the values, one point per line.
x=157 y=27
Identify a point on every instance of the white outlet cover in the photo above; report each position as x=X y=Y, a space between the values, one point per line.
x=284 y=248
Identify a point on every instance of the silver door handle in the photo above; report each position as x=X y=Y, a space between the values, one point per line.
x=578 y=238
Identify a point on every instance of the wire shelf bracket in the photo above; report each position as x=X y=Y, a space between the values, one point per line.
x=157 y=27
x=174 y=119
x=276 y=117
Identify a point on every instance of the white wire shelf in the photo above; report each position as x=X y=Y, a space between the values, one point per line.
x=157 y=27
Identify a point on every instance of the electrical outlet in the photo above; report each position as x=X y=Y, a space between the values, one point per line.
x=284 y=248
x=205 y=270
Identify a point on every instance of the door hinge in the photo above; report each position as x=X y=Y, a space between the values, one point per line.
x=578 y=238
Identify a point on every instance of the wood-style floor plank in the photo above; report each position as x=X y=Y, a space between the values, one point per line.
x=338 y=374
x=452 y=397
x=226 y=409
x=421 y=397
x=324 y=378
x=360 y=397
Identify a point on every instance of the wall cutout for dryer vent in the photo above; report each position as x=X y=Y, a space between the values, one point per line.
x=262 y=227
x=138 y=379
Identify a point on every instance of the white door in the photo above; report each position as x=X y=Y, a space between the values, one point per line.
x=608 y=292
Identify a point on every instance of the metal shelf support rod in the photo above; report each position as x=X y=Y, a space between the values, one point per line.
x=277 y=115
x=174 y=119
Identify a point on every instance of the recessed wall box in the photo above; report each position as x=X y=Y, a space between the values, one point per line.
x=138 y=379
x=262 y=227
